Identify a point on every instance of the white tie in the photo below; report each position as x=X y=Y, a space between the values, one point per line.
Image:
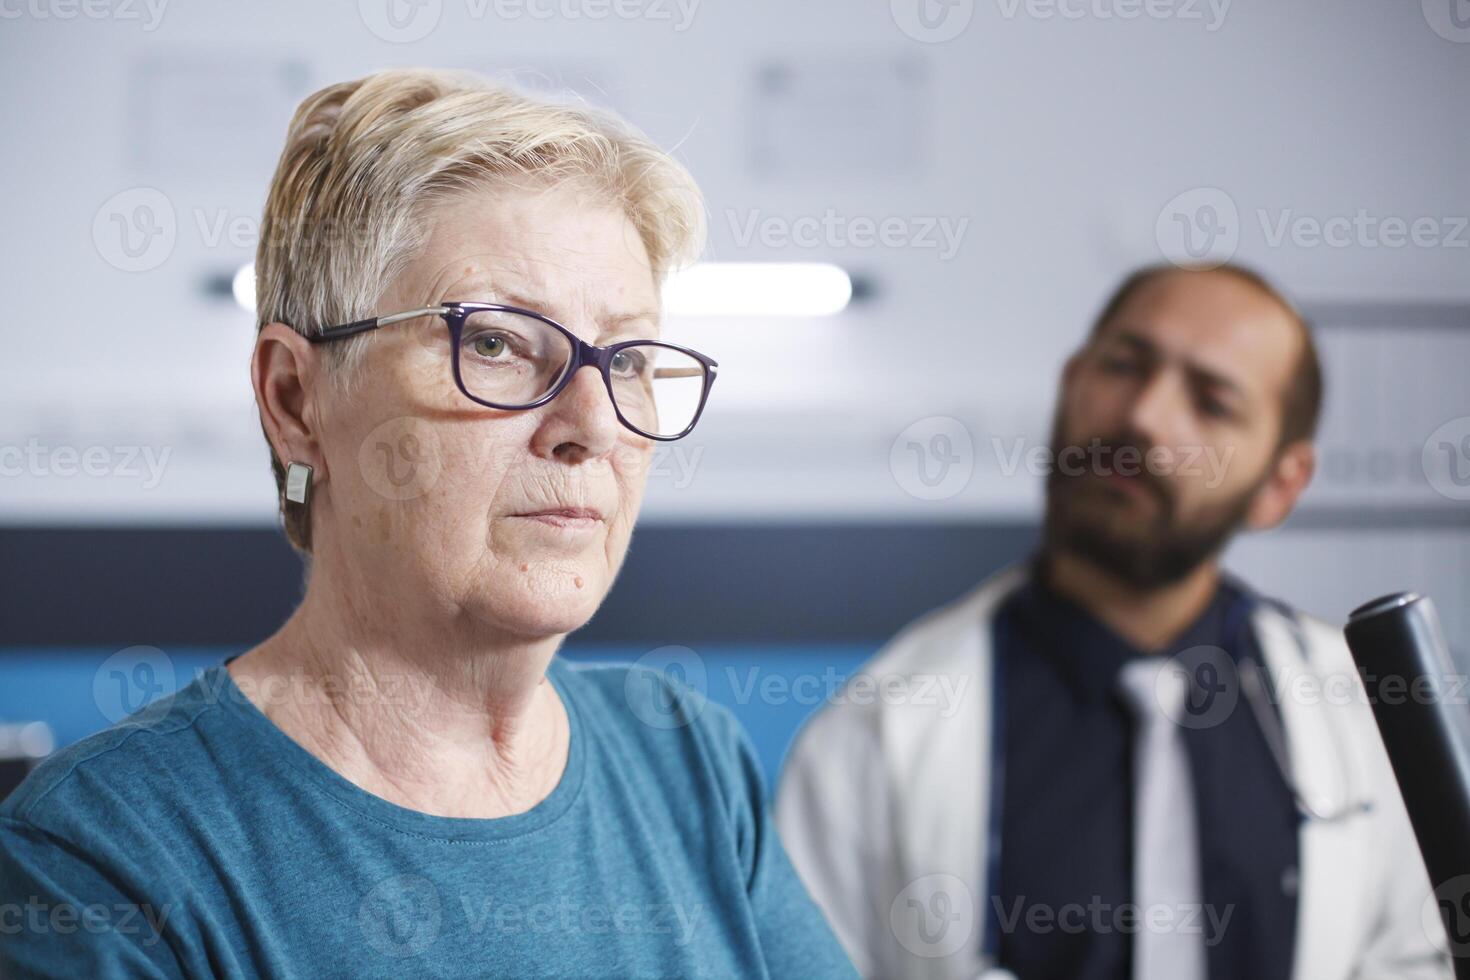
x=1166 y=883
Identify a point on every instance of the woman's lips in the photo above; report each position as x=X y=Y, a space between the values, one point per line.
x=571 y=518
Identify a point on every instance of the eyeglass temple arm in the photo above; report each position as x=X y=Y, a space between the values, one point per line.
x=372 y=323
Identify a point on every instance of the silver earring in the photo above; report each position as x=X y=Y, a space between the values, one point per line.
x=298 y=483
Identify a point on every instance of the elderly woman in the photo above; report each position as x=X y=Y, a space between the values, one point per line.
x=459 y=374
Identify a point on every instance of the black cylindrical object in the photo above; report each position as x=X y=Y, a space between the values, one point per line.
x=1418 y=703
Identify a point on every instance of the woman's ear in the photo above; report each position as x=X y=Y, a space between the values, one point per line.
x=1289 y=476
x=283 y=370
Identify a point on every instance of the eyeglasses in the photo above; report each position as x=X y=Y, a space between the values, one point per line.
x=513 y=359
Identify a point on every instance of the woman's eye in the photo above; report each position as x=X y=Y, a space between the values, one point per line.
x=488 y=345
x=628 y=362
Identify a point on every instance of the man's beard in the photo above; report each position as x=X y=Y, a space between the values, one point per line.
x=1150 y=553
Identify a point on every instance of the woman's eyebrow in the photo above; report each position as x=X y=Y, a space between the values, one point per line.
x=624 y=327
x=487 y=293
x=618 y=319
x=509 y=297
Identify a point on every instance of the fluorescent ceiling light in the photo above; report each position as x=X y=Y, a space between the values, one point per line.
x=243 y=286
x=758 y=289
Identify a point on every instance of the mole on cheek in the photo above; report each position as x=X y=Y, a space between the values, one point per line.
x=577 y=581
x=525 y=568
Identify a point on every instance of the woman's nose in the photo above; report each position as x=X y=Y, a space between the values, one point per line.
x=580 y=422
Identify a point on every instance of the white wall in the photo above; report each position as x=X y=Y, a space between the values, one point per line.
x=1050 y=146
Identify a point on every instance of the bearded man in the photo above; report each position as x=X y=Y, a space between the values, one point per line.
x=1143 y=774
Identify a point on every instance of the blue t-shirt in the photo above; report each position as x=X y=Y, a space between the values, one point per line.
x=197 y=839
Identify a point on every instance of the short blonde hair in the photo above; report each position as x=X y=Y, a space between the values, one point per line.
x=365 y=161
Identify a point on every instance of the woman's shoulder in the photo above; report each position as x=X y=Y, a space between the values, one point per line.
x=121 y=765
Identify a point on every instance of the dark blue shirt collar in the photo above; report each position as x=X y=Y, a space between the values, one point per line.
x=1086 y=652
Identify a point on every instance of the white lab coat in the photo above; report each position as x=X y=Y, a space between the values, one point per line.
x=879 y=792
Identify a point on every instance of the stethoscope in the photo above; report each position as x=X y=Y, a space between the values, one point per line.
x=1259 y=695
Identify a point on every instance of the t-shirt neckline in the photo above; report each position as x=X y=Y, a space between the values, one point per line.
x=404 y=819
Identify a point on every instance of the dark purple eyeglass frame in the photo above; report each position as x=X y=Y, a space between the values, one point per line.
x=584 y=354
